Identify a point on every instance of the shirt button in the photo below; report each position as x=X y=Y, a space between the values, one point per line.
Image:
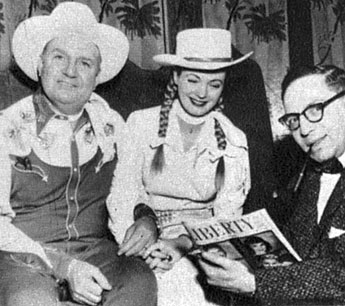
x=69 y=225
x=75 y=169
x=71 y=198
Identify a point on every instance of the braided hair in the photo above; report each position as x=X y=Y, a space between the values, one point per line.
x=158 y=161
x=221 y=143
x=170 y=94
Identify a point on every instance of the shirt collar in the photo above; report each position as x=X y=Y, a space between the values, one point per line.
x=206 y=140
x=44 y=113
x=342 y=160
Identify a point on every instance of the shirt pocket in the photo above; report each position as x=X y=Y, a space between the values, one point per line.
x=23 y=166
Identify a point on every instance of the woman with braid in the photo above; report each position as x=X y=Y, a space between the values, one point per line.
x=187 y=162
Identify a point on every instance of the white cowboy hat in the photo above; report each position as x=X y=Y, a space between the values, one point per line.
x=201 y=48
x=31 y=36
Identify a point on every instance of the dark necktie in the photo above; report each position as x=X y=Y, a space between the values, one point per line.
x=305 y=217
x=331 y=166
x=311 y=186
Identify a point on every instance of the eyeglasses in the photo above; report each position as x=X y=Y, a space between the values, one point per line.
x=313 y=113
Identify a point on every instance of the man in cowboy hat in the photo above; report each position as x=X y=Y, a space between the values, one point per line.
x=59 y=149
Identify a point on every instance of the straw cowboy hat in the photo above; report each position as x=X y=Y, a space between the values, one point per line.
x=201 y=48
x=69 y=18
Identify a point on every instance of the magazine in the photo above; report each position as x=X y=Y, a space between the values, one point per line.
x=253 y=239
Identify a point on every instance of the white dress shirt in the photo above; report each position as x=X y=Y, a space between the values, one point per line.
x=328 y=182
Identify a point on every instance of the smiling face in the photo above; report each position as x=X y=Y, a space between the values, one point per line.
x=326 y=137
x=199 y=92
x=68 y=68
x=259 y=248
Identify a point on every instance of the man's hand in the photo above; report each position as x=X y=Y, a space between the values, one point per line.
x=227 y=274
x=86 y=282
x=139 y=237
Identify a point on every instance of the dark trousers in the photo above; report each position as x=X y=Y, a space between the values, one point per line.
x=25 y=282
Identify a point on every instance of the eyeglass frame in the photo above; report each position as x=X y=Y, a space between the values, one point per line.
x=283 y=119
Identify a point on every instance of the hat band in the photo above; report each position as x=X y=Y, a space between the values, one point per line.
x=208 y=59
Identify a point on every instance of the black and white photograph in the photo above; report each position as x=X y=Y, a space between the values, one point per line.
x=172 y=152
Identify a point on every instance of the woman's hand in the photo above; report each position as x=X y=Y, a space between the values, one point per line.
x=162 y=255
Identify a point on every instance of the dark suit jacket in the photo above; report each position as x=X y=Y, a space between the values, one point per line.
x=320 y=278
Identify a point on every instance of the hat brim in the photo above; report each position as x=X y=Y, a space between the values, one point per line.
x=175 y=60
x=32 y=35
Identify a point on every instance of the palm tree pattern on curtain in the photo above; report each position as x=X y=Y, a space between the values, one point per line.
x=140 y=21
x=260 y=26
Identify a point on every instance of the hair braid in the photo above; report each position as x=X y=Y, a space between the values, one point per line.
x=221 y=143
x=170 y=93
x=218 y=131
x=169 y=96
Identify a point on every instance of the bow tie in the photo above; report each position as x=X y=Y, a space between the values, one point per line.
x=331 y=166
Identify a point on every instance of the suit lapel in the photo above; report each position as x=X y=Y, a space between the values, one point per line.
x=335 y=201
x=304 y=220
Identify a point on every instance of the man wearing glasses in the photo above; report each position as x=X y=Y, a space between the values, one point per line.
x=314 y=101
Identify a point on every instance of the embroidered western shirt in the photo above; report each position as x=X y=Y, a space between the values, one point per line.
x=55 y=173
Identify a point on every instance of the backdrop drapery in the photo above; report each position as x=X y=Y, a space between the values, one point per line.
x=151 y=25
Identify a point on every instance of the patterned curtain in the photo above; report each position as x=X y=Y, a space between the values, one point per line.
x=151 y=26
x=328 y=18
x=262 y=26
x=143 y=21
x=258 y=26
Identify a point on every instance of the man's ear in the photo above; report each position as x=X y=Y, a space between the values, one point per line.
x=39 y=66
x=97 y=81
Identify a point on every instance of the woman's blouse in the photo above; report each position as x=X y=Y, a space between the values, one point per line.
x=187 y=181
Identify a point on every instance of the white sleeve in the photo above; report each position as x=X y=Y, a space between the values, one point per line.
x=127 y=188
x=12 y=239
x=230 y=200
